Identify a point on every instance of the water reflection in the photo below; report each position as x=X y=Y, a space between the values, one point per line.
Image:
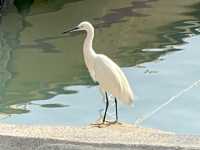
x=37 y=62
x=23 y=6
x=120 y=14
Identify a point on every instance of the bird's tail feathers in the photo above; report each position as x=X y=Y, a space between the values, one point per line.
x=128 y=97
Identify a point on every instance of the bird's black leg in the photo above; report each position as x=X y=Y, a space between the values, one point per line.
x=116 y=112
x=107 y=103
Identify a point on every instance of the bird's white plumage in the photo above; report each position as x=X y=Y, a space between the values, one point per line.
x=103 y=70
x=112 y=79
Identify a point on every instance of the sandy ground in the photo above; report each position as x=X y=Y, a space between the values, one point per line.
x=104 y=137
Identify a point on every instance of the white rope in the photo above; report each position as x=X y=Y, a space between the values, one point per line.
x=147 y=116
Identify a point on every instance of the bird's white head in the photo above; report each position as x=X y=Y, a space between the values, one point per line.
x=83 y=26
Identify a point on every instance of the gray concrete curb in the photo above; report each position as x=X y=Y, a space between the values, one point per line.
x=124 y=136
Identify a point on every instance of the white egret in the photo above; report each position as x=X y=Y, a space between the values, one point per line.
x=103 y=70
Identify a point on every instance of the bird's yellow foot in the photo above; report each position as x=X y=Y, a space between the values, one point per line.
x=105 y=124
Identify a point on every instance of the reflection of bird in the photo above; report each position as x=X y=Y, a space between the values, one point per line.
x=104 y=71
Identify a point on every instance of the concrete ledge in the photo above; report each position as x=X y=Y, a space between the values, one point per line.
x=107 y=137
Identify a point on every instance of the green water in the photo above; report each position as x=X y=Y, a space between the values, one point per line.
x=43 y=79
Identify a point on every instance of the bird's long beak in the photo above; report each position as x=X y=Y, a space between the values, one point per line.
x=71 y=30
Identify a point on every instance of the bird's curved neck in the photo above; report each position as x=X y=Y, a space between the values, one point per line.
x=87 y=46
x=88 y=52
x=88 y=40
